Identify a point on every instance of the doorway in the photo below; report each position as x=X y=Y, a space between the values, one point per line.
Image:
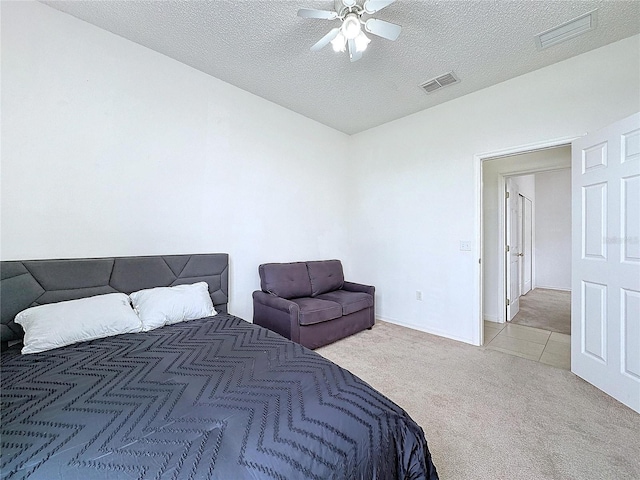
x=605 y=269
x=546 y=302
x=509 y=244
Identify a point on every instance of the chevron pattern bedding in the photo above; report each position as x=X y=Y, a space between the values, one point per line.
x=216 y=398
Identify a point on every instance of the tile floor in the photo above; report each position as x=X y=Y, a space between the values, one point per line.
x=543 y=346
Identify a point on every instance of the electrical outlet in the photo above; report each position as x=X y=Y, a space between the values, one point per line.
x=418 y=295
x=465 y=246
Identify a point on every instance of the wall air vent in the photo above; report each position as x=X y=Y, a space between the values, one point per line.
x=437 y=83
x=567 y=30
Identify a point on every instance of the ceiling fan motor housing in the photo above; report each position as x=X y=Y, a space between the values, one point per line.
x=351 y=26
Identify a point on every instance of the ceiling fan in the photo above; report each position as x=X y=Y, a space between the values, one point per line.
x=350 y=34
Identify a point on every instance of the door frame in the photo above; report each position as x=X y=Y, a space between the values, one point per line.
x=527 y=220
x=478 y=159
x=509 y=228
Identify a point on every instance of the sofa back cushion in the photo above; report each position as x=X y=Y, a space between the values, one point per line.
x=286 y=280
x=325 y=276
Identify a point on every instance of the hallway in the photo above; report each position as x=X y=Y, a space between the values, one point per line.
x=546 y=309
x=541 y=330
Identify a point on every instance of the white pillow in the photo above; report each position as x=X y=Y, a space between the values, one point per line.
x=161 y=306
x=57 y=324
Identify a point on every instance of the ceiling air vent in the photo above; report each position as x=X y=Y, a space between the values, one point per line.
x=567 y=30
x=437 y=83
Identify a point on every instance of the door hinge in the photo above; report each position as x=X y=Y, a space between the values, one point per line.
x=506 y=248
x=508 y=302
x=507 y=195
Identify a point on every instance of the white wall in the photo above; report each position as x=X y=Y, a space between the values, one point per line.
x=493 y=173
x=418 y=183
x=109 y=148
x=553 y=230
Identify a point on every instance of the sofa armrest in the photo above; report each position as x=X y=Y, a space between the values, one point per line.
x=358 y=287
x=274 y=301
x=371 y=290
x=277 y=314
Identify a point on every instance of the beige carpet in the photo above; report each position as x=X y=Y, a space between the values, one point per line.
x=488 y=415
x=545 y=309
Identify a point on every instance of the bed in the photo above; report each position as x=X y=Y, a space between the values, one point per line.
x=216 y=397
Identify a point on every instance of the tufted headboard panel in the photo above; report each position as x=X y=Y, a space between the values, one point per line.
x=29 y=283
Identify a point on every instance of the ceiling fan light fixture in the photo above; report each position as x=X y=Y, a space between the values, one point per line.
x=351 y=26
x=362 y=42
x=339 y=43
x=350 y=35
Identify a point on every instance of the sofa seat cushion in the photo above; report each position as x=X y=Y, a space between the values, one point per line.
x=349 y=301
x=314 y=310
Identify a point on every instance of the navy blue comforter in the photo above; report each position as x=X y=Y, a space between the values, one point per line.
x=212 y=398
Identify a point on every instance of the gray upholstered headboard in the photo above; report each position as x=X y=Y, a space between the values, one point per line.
x=35 y=282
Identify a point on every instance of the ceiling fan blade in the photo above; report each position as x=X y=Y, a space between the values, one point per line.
x=372 y=6
x=326 y=39
x=383 y=29
x=349 y=3
x=354 y=55
x=321 y=14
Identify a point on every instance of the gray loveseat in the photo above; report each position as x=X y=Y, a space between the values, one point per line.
x=310 y=303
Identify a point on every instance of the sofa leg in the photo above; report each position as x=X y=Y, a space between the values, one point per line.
x=369 y=328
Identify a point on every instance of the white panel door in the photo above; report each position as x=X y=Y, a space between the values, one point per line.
x=605 y=279
x=512 y=250
x=527 y=245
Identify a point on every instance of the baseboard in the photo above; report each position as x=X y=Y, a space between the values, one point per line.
x=552 y=288
x=491 y=318
x=420 y=328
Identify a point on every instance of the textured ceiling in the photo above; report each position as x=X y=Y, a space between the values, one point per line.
x=262 y=46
